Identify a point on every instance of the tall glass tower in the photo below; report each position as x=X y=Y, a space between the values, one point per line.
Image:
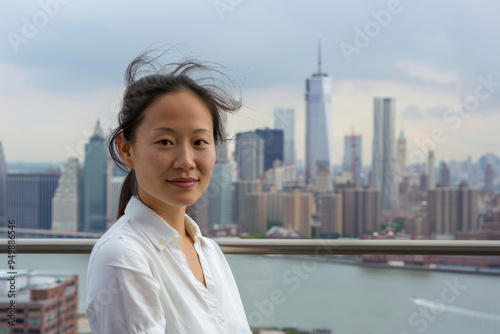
x=284 y=119
x=384 y=173
x=219 y=191
x=66 y=203
x=95 y=182
x=352 y=156
x=318 y=121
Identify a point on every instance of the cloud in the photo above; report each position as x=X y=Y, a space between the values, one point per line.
x=412 y=112
x=427 y=73
x=40 y=125
x=436 y=112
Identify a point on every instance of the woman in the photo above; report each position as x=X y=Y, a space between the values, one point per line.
x=153 y=271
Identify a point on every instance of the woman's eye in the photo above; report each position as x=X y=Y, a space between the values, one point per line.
x=200 y=142
x=164 y=142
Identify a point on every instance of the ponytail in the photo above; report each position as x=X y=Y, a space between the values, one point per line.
x=129 y=189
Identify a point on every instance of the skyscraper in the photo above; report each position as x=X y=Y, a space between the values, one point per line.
x=383 y=174
x=322 y=181
x=219 y=193
x=3 y=188
x=284 y=119
x=352 y=156
x=95 y=179
x=298 y=208
x=401 y=157
x=431 y=171
x=275 y=207
x=273 y=146
x=361 y=210
x=489 y=178
x=113 y=197
x=249 y=154
x=66 y=203
x=241 y=190
x=318 y=121
x=256 y=216
x=30 y=198
x=330 y=210
x=444 y=176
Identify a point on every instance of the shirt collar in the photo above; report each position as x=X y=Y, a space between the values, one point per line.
x=158 y=231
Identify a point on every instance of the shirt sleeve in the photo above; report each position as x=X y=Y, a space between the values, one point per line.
x=122 y=294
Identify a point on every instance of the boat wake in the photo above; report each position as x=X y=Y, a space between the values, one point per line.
x=441 y=307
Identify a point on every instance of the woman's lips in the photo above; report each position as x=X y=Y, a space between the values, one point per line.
x=183 y=183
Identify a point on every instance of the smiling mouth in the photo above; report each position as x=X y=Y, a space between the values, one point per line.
x=183 y=183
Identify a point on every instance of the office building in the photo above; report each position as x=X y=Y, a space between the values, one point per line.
x=29 y=199
x=451 y=210
x=220 y=195
x=423 y=182
x=323 y=178
x=273 y=146
x=256 y=214
x=67 y=203
x=280 y=175
x=330 y=212
x=353 y=157
x=444 y=176
x=240 y=190
x=298 y=209
x=318 y=122
x=383 y=174
x=343 y=178
x=113 y=198
x=249 y=155
x=401 y=161
x=489 y=178
x=431 y=170
x=284 y=119
x=274 y=207
x=360 y=208
x=95 y=180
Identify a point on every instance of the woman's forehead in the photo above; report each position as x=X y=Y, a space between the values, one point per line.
x=178 y=111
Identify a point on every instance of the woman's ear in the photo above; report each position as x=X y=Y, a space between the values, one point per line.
x=124 y=150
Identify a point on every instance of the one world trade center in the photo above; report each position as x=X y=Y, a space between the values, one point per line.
x=318 y=122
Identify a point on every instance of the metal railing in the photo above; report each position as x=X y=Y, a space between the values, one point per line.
x=286 y=246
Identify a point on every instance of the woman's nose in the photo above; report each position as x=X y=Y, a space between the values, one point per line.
x=184 y=158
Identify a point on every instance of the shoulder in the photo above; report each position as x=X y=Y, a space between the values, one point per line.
x=212 y=245
x=119 y=246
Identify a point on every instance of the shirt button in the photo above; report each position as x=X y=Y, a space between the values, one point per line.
x=221 y=321
x=161 y=242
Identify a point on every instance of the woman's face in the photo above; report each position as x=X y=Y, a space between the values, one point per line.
x=174 y=151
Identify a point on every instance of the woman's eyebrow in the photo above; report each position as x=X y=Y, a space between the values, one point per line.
x=167 y=129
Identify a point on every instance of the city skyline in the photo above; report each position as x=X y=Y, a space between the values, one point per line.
x=60 y=81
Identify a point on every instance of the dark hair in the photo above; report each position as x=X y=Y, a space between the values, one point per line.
x=143 y=90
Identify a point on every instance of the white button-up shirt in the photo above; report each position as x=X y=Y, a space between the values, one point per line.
x=139 y=281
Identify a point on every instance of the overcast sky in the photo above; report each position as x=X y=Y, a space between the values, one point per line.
x=62 y=65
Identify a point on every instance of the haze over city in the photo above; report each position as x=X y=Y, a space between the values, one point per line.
x=67 y=71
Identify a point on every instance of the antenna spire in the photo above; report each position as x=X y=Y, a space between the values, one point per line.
x=319 y=56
